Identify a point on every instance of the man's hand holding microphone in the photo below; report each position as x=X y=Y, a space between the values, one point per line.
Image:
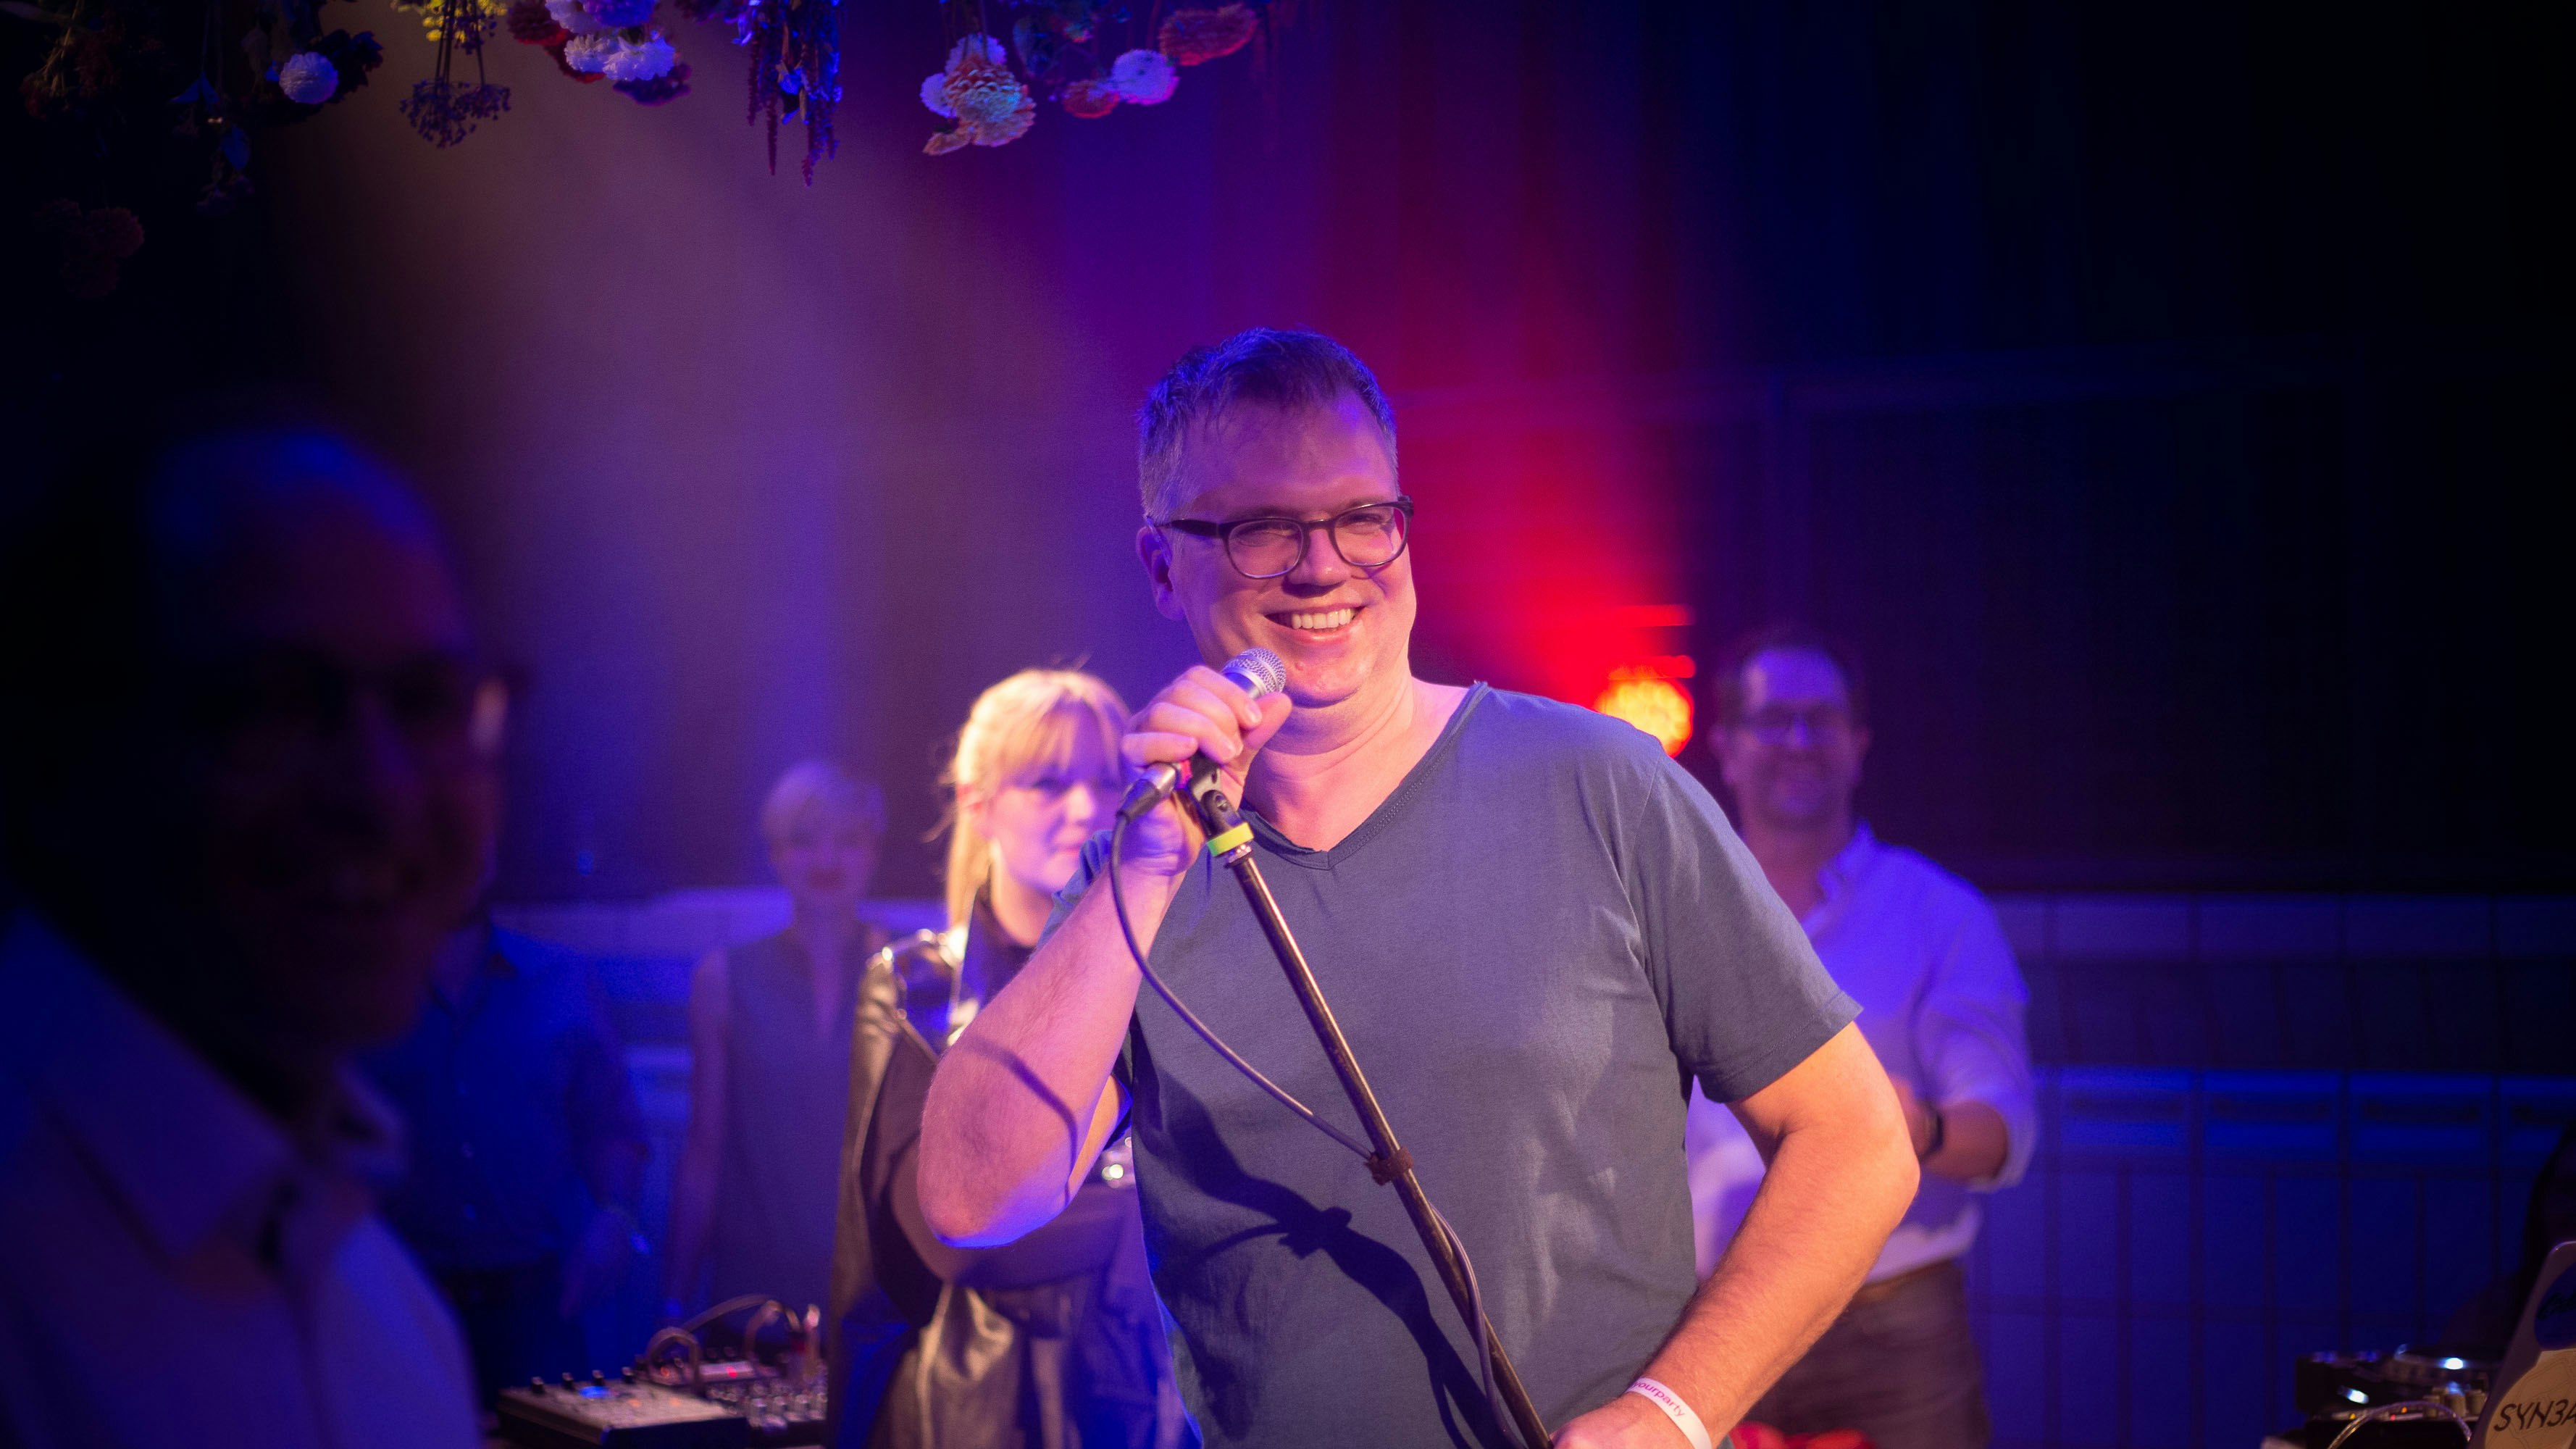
x=1215 y=720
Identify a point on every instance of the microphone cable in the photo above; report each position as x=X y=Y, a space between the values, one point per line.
x=1475 y=1294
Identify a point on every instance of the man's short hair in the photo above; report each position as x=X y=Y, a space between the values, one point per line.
x=1290 y=371
x=1727 y=683
x=86 y=549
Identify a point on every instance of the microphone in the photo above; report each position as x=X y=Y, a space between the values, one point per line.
x=1258 y=672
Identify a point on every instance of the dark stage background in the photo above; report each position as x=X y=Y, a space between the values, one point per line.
x=2171 y=402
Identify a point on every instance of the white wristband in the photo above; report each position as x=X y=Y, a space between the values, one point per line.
x=1674 y=1409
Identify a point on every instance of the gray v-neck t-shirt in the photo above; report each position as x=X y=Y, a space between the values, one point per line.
x=1534 y=945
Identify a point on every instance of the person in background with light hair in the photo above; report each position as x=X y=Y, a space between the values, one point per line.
x=1056 y=1340
x=769 y=1039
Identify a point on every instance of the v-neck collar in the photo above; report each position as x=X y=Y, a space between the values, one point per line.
x=1387 y=809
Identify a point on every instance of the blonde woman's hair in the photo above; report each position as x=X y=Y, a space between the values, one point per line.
x=1030 y=720
x=820 y=782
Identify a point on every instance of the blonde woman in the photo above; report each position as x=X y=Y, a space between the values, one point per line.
x=1056 y=1339
x=769 y=1034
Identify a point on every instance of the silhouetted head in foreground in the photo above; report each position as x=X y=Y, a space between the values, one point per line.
x=248 y=766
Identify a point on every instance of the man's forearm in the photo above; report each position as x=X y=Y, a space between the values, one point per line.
x=1013 y=1099
x=1834 y=1191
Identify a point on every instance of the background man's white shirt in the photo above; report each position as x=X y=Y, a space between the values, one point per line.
x=1941 y=1003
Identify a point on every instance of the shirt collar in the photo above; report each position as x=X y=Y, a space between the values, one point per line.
x=1841 y=874
x=184 y=1149
x=492 y=964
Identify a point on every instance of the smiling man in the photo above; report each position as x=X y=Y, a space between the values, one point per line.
x=1535 y=929
x=248 y=785
x=1923 y=953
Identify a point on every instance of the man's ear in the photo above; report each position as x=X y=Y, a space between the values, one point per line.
x=1154 y=550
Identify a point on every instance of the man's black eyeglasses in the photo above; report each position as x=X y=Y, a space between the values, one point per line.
x=1370 y=536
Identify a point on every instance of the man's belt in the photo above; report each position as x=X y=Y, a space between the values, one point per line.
x=1886 y=1288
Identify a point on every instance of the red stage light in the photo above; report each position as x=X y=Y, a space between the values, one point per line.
x=1644 y=695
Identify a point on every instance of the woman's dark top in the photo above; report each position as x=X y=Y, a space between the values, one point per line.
x=1055 y=1340
x=785 y=1115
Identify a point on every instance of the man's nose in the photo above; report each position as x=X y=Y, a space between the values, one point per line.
x=1322 y=567
x=375 y=764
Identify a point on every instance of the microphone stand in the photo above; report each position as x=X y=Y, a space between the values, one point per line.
x=1231 y=841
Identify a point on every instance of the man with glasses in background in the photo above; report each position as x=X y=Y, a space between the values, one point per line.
x=247 y=785
x=1942 y=1002
x=1534 y=928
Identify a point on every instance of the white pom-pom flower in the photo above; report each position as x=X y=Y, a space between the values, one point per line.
x=1146 y=77
x=591 y=53
x=641 y=60
x=572 y=15
x=934 y=94
x=308 y=79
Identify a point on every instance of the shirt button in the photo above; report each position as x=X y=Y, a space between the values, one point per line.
x=467 y=1151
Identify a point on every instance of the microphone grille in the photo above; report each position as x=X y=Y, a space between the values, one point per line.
x=1258 y=671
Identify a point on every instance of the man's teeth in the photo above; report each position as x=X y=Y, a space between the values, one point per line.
x=1321 y=619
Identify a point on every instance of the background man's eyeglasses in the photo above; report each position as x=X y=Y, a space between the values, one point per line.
x=278 y=709
x=1796 y=726
x=1370 y=536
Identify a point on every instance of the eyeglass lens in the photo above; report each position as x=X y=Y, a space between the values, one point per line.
x=1366 y=538
x=1780 y=726
x=274 y=708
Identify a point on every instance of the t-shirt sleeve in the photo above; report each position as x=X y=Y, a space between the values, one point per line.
x=1744 y=997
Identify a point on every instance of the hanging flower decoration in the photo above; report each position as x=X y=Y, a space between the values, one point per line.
x=979 y=90
x=1144 y=77
x=595 y=40
x=307 y=78
x=139 y=94
x=795 y=50
x=661 y=90
x=441 y=18
x=1195 y=37
x=93 y=241
x=1090 y=98
x=122 y=84
x=1061 y=57
x=321 y=74
x=443 y=109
